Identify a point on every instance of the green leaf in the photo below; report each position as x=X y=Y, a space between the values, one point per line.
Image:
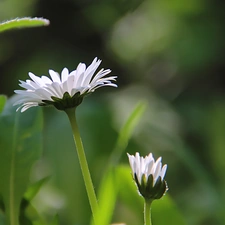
x=25 y=22
x=166 y=207
x=128 y=190
x=20 y=147
x=2 y=102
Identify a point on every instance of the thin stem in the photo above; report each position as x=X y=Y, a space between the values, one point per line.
x=83 y=162
x=147 y=212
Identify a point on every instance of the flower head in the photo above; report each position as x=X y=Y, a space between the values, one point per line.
x=148 y=175
x=65 y=91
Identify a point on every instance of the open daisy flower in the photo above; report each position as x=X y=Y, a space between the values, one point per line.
x=65 y=91
x=148 y=175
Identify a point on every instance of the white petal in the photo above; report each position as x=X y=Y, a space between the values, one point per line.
x=64 y=75
x=26 y=85
x=44 y=94
x=57 y=90
x=27 y=106
x=149 y=167
x=80 y=70
x=81 y=80
x=46 y=80
x=100 y=74
x=163 y=171
x=36 y=79
x=90 y=71
x=55 y=76
x=157 y=168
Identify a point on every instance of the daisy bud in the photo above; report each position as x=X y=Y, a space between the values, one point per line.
x=149 y=176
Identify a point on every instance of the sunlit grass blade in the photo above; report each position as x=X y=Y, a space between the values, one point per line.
x=30 y=214
x=55 y=220
x=25 y=22
x=27 y=211
x=2 y=102
x=107 y=198
x=34 y=188
x=108 y=189
x=126 y=132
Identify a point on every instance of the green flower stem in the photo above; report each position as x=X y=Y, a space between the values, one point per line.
x=83 y=162
x=147 y=212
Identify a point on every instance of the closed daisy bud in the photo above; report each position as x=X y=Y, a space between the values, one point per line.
x=148 y=175
x=63 y=91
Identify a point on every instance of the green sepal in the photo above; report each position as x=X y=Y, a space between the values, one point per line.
x=150 y=181
x=158 y=190
x=66 y=102
x=143 y=185
x=147 y=190
x=140 y=187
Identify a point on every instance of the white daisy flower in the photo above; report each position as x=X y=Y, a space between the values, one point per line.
x=65 y=91
x=148 y=175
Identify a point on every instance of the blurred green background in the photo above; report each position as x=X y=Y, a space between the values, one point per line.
x=170 y=54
